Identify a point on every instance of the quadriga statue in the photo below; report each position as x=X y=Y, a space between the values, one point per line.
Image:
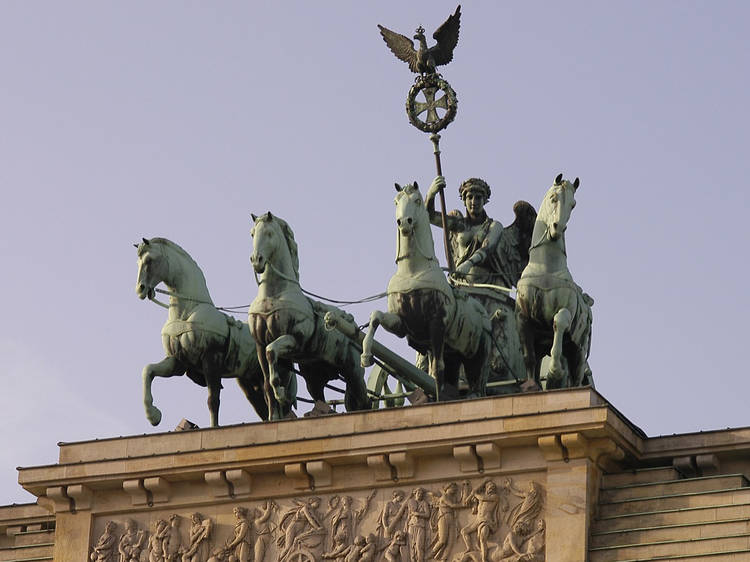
x=444 y=323
x=552 y=311
x=199 y=340
x=290 y=328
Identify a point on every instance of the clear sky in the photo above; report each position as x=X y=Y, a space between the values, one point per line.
x=179 y=119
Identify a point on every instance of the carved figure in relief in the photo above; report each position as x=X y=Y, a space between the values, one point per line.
x=393 y=551
x=172 y=543
x=239 y=547
x=131 y=543
x=535 y=543
x=340 y=548
x=301 y=527
x=200 y=532
x=391 y=518
x=369 y=550
x=524 y=543
x=262 y=529
x=344 y=518
x=356 y=550
x=156 y=541
x=417 y=516
x=104 y=549
x=446 y=523
x=529 y=509
x=487 y=504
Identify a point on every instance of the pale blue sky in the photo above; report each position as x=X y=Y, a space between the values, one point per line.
x=178 y=119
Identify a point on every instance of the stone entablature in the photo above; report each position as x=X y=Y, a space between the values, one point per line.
x=453 y=455
x=351 y=468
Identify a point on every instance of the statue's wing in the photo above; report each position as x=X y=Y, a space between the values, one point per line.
x=401 y=46
x=513 y=249
x=447 y=39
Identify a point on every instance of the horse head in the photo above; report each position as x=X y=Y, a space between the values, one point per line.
x=152 y=268
x=557 y=206
x=271 y=237
x=410 y=208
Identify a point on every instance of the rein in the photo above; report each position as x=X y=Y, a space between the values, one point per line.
x=286 y=277
x=462 y=283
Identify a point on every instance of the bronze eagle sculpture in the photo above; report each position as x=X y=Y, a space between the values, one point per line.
x=424 y=60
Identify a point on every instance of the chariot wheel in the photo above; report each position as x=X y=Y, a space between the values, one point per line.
x=377 y=386
x=301 y=556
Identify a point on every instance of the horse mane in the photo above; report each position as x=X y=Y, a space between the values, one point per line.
x=290 y=241
x=166 y=242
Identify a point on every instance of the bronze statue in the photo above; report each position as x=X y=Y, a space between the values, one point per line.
x=289 y=327
x=489 y=260
x=552 y=311
x=199 y=340
x=425 y=59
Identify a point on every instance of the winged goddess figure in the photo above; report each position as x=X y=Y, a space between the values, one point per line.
x=424 y=60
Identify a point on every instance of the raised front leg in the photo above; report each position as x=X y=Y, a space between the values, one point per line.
x=391 y=322
x=167 y=367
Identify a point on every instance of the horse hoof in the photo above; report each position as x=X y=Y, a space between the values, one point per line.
x=530 y=386
x=366 y=360
x=153 y=415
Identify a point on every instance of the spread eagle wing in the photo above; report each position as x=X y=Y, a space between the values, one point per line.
x=513 y=249
x=401 y=46
x=447 y=39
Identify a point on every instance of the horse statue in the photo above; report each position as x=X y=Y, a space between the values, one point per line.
x=289 y=328
x=199 y=340
x=552 y=312
x=438 y=320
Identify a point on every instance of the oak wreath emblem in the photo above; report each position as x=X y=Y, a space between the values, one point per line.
x=431 y=85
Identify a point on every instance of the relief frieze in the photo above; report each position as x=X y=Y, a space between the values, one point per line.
x=487 y=520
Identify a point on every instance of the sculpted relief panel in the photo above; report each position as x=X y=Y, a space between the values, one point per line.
x=488 y=520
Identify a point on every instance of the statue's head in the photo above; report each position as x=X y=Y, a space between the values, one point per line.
x=110 y=527
x=475 y=185
x=240 y=512
x=398 y=495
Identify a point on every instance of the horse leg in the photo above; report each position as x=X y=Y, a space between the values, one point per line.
x=254 y=395
x=560 y=324
x=167 y=367
x=528 y=345
x=355 y=395
x=436 y=330
x=477 y=368
x=391 y=322
x=280 y=347
x=213 y=384
x=271 y=404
